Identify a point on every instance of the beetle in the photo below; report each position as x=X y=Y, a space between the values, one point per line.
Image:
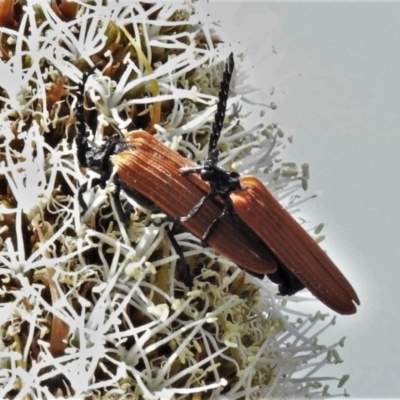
x=300 y=261
x=241 y=219
x=149 y=172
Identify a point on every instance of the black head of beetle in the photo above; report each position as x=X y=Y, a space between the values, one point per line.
x=97 y=158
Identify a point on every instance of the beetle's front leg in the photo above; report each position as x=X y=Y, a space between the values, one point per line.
x=187 y=274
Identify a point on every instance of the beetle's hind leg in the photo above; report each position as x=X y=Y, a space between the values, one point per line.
x=212 y=226
x=82 y=145
x=123 y=216
x=187 y=275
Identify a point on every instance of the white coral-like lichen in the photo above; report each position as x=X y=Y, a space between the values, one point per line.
x=92 y=307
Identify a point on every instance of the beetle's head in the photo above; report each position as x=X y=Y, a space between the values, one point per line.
x=98 y=158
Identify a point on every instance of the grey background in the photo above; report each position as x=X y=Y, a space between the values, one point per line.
x=344 y=109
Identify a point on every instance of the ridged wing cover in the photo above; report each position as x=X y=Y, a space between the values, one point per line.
x=293 y=246
x=153 y=170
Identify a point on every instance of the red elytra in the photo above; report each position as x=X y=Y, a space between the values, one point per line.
x=300 y=261
x=153 y=170
x=293 y=246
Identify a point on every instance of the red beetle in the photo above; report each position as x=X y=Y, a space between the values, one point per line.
x=301 y=262
x=149 y=172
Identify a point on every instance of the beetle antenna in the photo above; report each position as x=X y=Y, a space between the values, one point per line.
x=222 y=100
x=82 y=143
x=221 y=182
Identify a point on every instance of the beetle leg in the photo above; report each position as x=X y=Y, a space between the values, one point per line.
x=228 y=210
x=212 y=226
x=197 y=207
x=83 y=189
x=124 y=217
x=187 y=275
x=288 y=283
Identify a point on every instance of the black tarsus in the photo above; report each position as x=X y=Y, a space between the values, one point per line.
x=187 y=275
